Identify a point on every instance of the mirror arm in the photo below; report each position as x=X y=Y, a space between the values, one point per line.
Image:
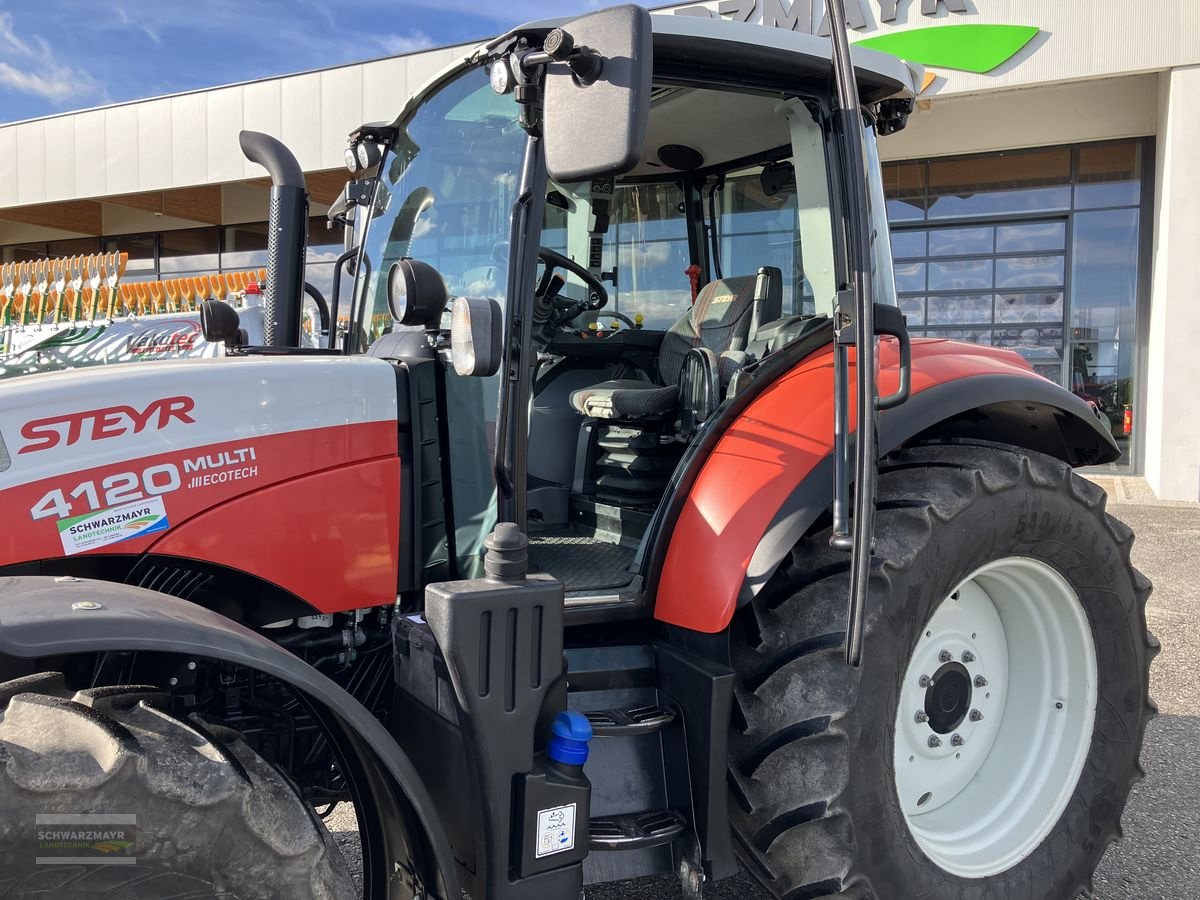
x=528 y=92
x=585 y=64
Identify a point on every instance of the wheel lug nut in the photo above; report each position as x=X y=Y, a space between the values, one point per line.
x=968 y=656
x=921 y=716
x=925 y=681
x=935 y=741
x=945 y=656
x=980 y=681
x=976 y=716
x=957 y=740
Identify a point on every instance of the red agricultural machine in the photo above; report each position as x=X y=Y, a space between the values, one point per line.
x=565 y=574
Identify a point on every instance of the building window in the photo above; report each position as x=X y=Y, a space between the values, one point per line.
x=1037 y=251
x=244 y=246
x=192 y=251
x=74 y=247
x=143 y=255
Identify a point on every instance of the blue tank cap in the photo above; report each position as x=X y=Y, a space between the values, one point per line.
x=570 y=734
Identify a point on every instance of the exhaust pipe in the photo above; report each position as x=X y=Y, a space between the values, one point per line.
x=287 y=235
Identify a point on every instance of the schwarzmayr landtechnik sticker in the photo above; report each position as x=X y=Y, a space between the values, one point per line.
x=86 y=839
x=113 y=525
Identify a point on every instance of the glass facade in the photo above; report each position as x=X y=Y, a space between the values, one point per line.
x=1039 y=251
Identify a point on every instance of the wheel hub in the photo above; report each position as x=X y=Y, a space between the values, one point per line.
x=948 y=697
x=995 y=717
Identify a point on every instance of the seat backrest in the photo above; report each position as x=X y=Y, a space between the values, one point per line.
x=722 y=318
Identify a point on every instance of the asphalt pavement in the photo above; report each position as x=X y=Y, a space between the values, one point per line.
x=1159 y=856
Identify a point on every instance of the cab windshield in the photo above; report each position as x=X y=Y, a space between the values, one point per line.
x=444 y=196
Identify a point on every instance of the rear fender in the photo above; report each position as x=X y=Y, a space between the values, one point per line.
x=38 y=619
x=769 y=475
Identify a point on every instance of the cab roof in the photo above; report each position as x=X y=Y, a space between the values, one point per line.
x=718 y=44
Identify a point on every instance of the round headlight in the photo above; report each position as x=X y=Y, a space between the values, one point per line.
x=417 y=294
x=351 y=160
x=368 y=154
x=501 y=76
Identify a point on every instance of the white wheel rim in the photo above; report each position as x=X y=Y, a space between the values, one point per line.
x=979 y=803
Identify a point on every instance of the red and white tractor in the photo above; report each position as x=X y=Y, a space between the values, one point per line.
x=559 y=571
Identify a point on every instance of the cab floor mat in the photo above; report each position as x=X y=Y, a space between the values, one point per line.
x=580 y=563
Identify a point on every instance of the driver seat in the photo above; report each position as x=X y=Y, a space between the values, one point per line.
x=726 y=313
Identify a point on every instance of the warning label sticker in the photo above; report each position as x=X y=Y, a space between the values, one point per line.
x=555 y=830
x=112 y=525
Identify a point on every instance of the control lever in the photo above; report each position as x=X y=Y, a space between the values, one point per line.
x=557 y=282
x=544 y=282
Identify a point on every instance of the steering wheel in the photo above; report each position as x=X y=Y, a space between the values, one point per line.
x=597 y=294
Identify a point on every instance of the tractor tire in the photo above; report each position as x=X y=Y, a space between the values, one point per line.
x=211 y=818
x=986 y=746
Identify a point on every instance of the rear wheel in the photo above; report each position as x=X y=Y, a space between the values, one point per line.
x=92 y=778
x=987 y=744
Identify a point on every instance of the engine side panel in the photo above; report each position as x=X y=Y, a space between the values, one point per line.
x=133 y=459
x=344 y=558
x=756 y=468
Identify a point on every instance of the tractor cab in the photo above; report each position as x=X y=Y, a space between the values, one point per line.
x=617 y=281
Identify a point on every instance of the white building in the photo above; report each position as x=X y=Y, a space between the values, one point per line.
x=1049 y=202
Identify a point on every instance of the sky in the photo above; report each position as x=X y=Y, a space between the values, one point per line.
x=60 y=55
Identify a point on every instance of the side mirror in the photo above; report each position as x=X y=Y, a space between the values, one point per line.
x=597 y=93
x=416 y=293
x=476 y=324
x=219 y=322
x=778 y=179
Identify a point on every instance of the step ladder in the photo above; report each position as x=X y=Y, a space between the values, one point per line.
x=657 y=762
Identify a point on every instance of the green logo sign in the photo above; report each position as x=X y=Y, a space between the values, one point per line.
x=968 y=48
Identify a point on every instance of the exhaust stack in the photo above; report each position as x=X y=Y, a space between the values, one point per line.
x=287 y=235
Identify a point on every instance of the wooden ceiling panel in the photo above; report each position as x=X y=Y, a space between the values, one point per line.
x=151 y=202
x=200 y=204
x=323 y=187
x=80 y=216
x=196 y=204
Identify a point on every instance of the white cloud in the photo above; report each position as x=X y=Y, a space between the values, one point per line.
x=30 y=68
x=144 y=29
x=397 y=44
x=49 y=86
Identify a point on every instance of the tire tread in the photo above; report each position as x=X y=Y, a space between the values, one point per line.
x=72 y=751
x=783 y=688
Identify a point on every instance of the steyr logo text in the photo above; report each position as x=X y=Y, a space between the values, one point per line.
x=97 y=424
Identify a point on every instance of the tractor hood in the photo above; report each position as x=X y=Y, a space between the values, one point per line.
x=134 y=458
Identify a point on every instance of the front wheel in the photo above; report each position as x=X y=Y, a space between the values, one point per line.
x=105 y=795
x=986 y=747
